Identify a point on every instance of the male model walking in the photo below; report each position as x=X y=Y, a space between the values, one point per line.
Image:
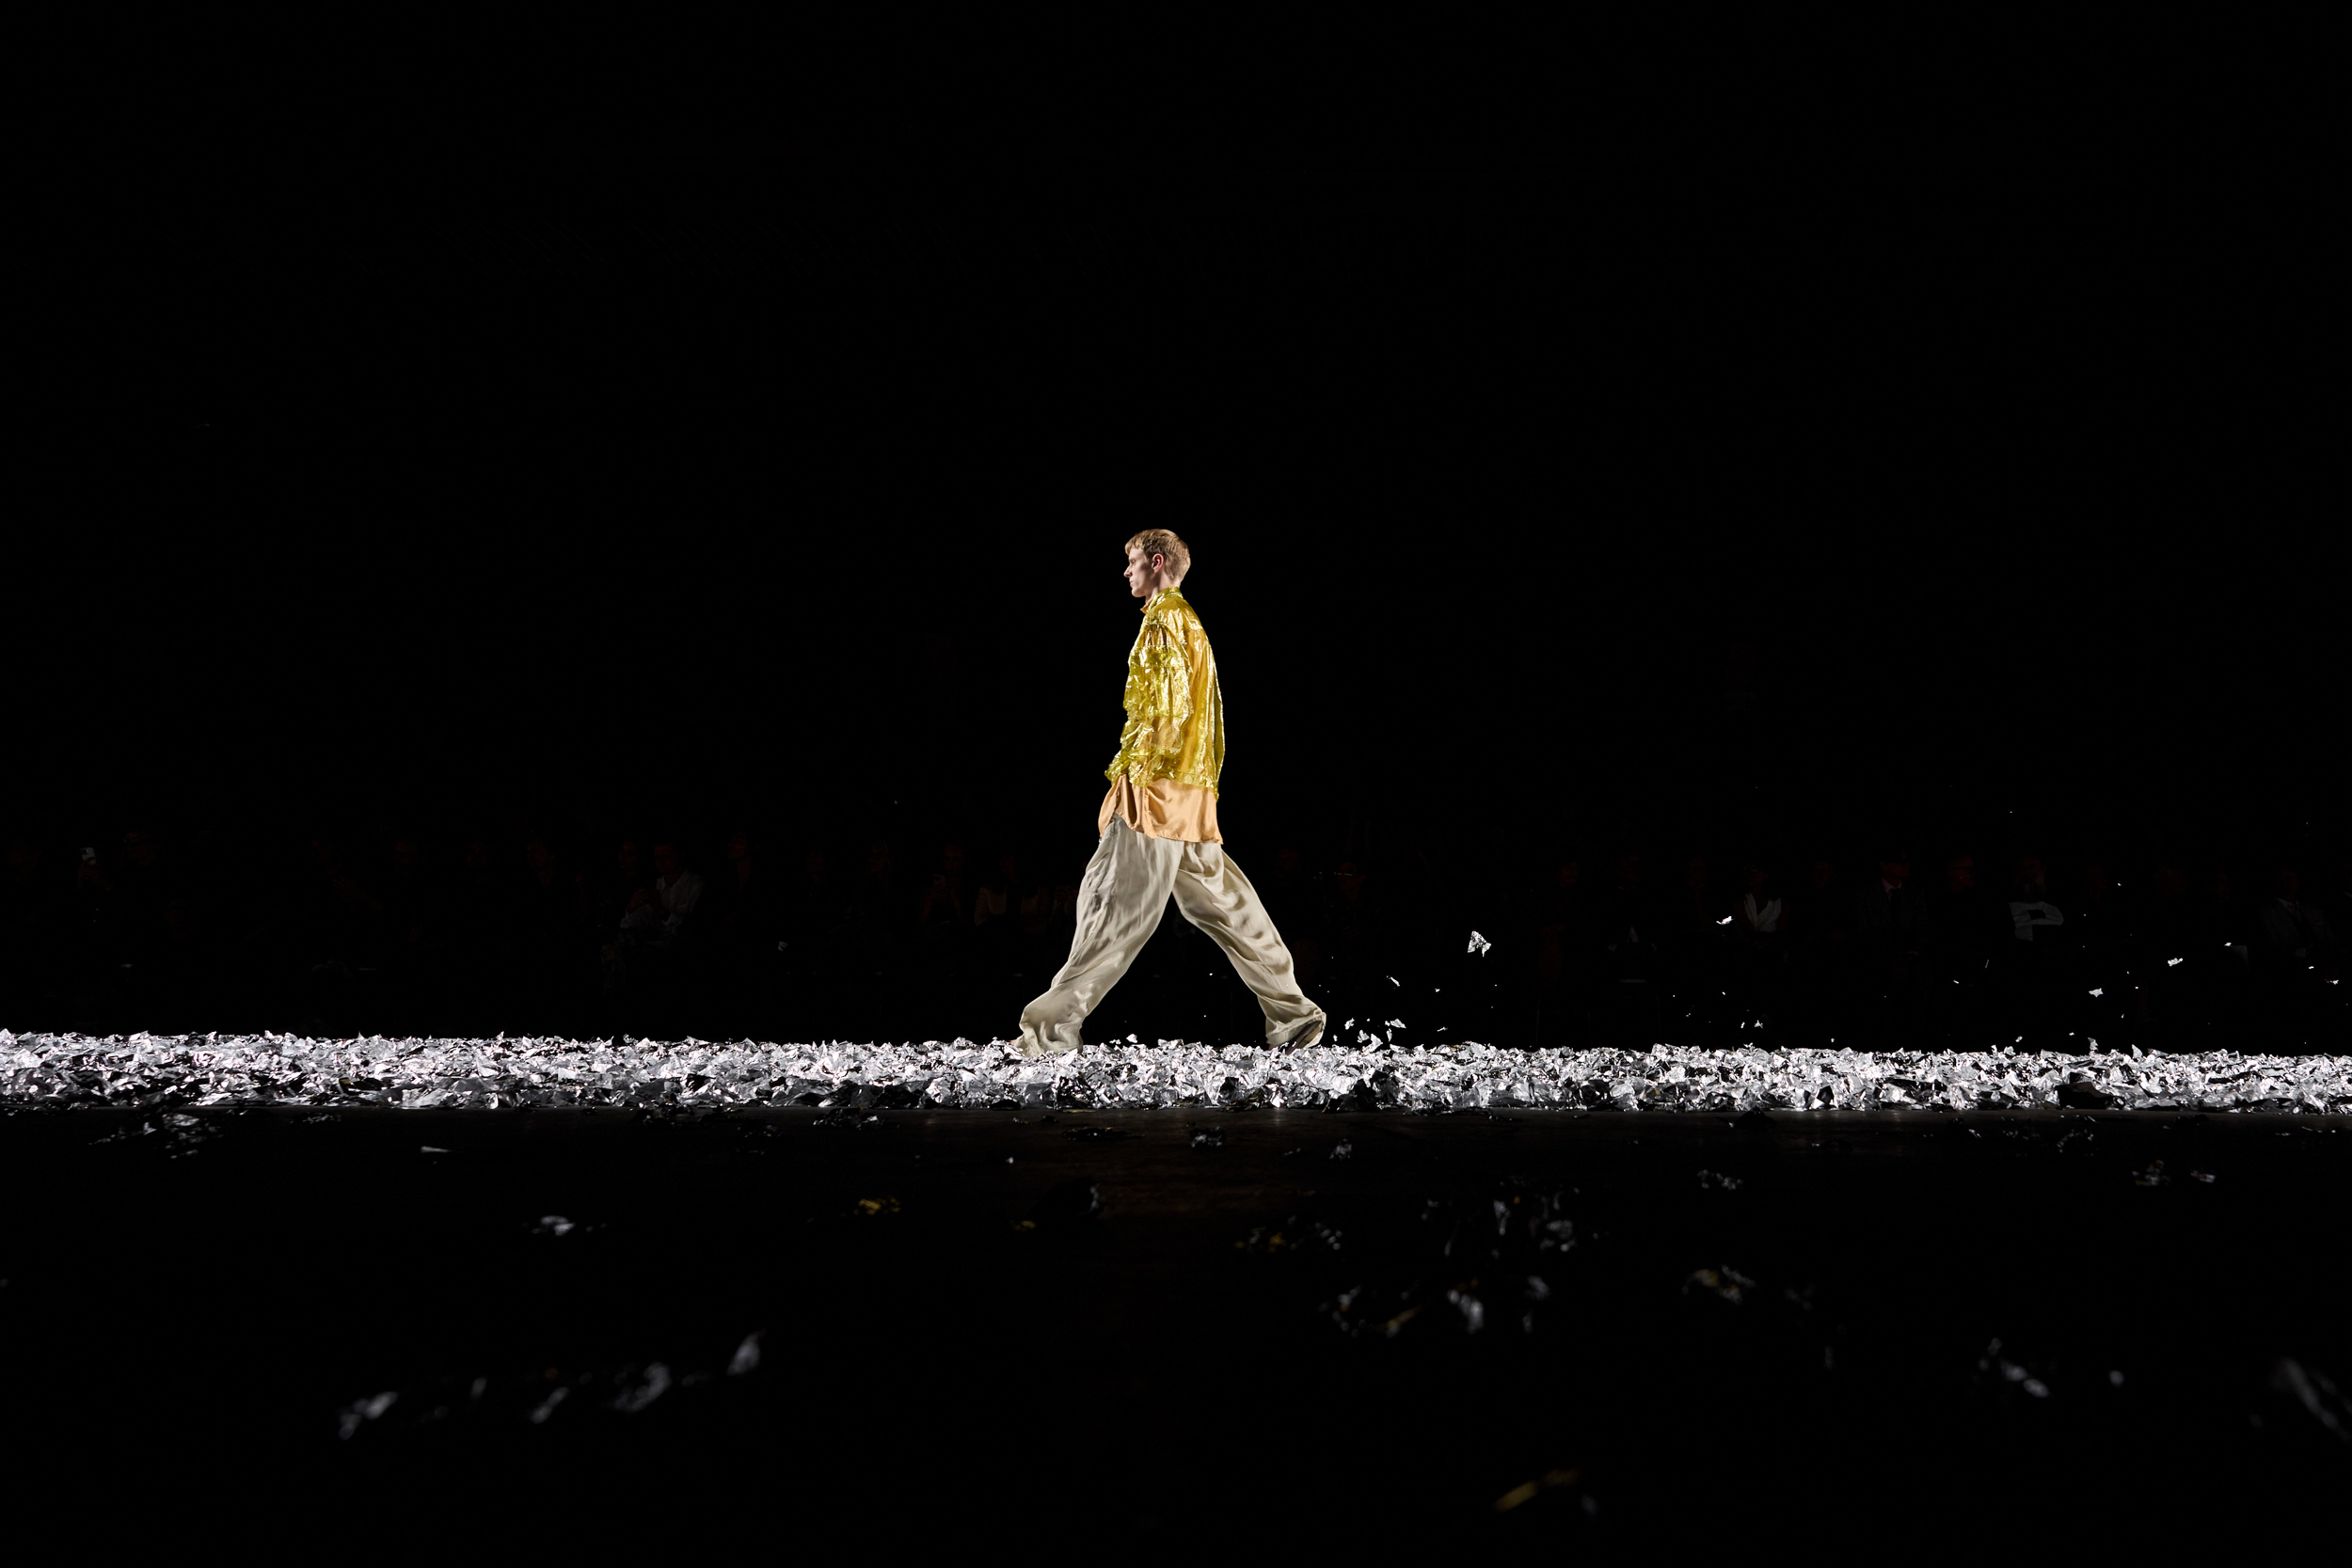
x=1158 y=827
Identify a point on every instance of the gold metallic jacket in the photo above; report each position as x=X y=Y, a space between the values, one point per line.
x=1175 y=718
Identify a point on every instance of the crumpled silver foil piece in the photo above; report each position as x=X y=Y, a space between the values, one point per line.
x=425 y=1074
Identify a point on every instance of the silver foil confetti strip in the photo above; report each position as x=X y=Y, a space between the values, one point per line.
x=424 y=1074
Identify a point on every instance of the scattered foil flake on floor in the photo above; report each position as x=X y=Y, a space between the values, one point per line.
x=424 y=1074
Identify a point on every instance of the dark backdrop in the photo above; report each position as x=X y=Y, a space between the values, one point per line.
x=822 y=482
x=1903 y=476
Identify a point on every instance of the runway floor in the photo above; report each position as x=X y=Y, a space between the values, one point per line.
x=1192 y=1325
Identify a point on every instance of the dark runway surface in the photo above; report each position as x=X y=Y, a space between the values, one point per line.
x=1366 y=1327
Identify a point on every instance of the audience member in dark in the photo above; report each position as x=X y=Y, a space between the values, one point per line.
x=2029 y=909
x=1969 y=929
x=1698 y=941
x=146 y=881
x=1820 y=958
x=2337 y=903
x=2298 y=961
x=611 y=894
x=342 y=934
x=1048 y=936
x=811 y=907
x=737 y=889
x=2293 y=933
x=1354 y=950
x=373 y=926
x=2102 y=922
x=943 y=940
x=188 y=966
x=21 y=888
x=812 y=921
x=2220 y=957
x=1491 y=893
x=2036 y=968
x=259 y=952
x=648 y=958
x=34 y=896
x=1759 y=932
x=1629 y=923
x=1890 y=927
x=117 y=932
x=343 y=912
x=1417 y=898
x=878 y=918
x=409 y=897
x=2163 y=921
x=414 y=946
x=997 y=901
x=1295 y=907
x=996 y=923
x=546 y=920
x=741 y=928
x=547 y=893
x=668 y=906
x=946 y=901
x=482 y=925
x=1567 y=949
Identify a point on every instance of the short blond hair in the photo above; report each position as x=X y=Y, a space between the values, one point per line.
x=1163 y=541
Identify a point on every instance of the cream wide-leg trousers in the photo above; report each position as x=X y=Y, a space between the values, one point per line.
x=1124 y=893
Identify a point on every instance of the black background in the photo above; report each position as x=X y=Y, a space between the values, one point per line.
x=746 y=432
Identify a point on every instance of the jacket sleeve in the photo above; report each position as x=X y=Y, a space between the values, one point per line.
x=1159 y=691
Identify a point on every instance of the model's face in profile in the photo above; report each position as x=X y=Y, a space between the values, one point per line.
x=1141 y=572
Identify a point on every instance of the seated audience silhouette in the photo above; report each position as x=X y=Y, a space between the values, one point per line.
x=1890 y=926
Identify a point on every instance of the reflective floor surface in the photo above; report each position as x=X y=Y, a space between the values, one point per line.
x=1188 y=1326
